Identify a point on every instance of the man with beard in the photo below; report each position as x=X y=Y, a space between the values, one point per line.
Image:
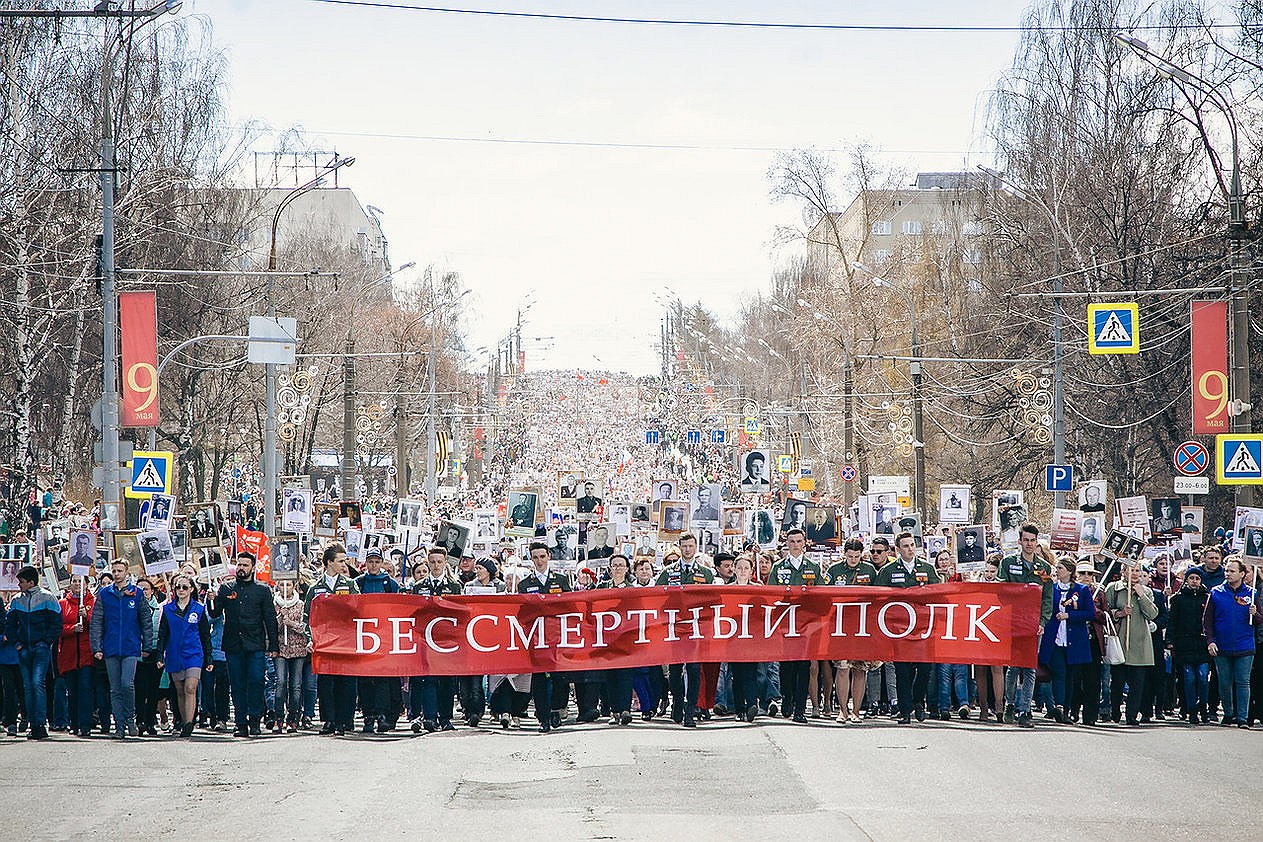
x=250 y=634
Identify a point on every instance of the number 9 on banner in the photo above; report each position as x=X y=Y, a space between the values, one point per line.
x=142 y=380
x=1212 y=388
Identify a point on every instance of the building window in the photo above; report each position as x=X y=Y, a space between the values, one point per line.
x=939 y=228
x=881 y=256
x=971 y=229
x=882 y=227
x=911 y=227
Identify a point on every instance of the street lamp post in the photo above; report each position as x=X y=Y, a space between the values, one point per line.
x=914 y=369
x=110 y=481
x=269 y=421
x=1238 y=292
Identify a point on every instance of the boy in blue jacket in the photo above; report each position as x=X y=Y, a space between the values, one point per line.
x=33 y=627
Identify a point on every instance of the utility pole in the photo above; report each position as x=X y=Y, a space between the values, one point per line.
x=848 y=427
x=918 y=427
x=111 y=502
x=1059 y=393
x=401 y=440
x=350 y=490
x=431 y=436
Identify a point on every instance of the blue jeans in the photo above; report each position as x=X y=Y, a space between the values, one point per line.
x=1234 y=684
x=1021 y=699
x=767 y=681
x=122 y=673
x=245 y=682
x=723 y=693
x=290 y=673
x=952 y=677
x=1196 y=686
x=34 y=662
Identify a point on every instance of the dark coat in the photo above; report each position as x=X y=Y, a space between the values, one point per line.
x=1184 y=633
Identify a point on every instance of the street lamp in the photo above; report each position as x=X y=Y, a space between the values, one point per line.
x=1236 y=233
x=110 y=483
x=914 y=368
x=269 y=421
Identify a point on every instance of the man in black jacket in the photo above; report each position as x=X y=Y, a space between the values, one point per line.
x=250 y=634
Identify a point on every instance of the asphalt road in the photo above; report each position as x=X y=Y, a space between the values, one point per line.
x=650 y=781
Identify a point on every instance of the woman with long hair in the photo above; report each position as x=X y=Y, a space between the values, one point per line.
x=184 y=645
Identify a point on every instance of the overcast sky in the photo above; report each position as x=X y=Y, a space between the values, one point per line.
x=595 y=230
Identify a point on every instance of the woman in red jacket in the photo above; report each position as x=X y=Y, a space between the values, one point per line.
x=74 y=655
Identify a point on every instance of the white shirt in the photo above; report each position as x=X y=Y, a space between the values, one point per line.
x=795 y=562
x=330 y=582
x=1060 y=592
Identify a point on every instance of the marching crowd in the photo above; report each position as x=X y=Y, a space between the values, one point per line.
x=127 y=655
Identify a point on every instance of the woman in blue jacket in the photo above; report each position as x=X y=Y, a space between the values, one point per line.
x=184 y=647
x=1065 y=648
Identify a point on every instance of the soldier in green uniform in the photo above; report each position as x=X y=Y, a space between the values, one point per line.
x=908 y=571
x=432 y=694
x=542 y=581
x=1026 y=568
x=685 y=680
x=852 y=570
x=795 y=569
x=335 y=692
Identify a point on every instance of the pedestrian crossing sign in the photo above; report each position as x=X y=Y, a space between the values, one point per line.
x=1239 y=459
x=785 y=462
x=150 y=473
x=1113 y=329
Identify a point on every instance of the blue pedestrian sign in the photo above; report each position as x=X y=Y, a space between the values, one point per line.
x=1058 y=478
x=694 y=437
x=652 y=437
x=1113 y=329
x=150 y=473
x=718 y=436
x=1239 y=459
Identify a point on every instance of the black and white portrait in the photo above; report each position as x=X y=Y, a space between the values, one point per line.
x=795 y=515
x=734 y=520
x=1191 y=520
x=563 y=542
x=953 y=504
x=663 y=489
x=602 y=540
x=705 y=502
x=569 y=486
x=640 y=514
x=1166 y=516
x=1091 y=531
x=1092 y=496
x=161 y=511
x=675 y=517
x=523 y=511
x=234 y=513
x=325 y=519
x=353 y=512
x=204 y=525
x=589 y=502
x=296 y=510
x=354 y=537
x=486 y=525
x=82 y=557
x=971 y=543
x=454 y=537
x=752 y=467
x=411 y=514
x=761 y=528
x=822 y=526
x=1253 y=544
x=285 y=560
x=156 y=552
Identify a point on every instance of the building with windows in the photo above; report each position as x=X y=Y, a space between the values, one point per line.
x=938 y=217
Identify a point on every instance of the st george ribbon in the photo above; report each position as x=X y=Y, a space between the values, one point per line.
x=404 y=634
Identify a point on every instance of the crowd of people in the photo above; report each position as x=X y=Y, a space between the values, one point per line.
x=123 y=654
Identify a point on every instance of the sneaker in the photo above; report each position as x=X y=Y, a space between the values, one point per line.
x=416 y=726
x=689 y=722
x=516 y=722
x=430 y=725
x=751 y=712
x=255 y=730
x=292 y=728
x=447 y=726
x=504 y=721
x=368 y=726
x=799 y=719
x=625 y=718
x=920 y=712
x=1024 y=721
x=241 y=732
x=613 y=718
x=1245 y=725
x=12 y=731
x=904 y=720
x=962 y=711
x=773 y=708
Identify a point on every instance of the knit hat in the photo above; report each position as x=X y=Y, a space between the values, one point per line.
x=488 y=565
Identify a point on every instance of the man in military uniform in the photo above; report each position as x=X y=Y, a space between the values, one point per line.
x=432 y=694
x=541 y=581
x=908 y=571
x=853 y=570
x=685 y=680
x=336 y=693
x=795 y=569
x=1026 y=568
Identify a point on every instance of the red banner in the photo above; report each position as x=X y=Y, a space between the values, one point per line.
x=404 y=634
x=256 y=543
x=1209 y=340
x=138 y=332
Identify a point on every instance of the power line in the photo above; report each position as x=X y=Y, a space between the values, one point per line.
x=736 y=24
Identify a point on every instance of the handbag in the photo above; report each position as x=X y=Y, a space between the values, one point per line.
x=1113 y=653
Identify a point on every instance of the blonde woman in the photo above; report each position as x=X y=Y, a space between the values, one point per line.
x=184 y=647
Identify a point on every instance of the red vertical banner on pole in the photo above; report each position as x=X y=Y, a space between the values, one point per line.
x=138 y=331
x=1209 y=341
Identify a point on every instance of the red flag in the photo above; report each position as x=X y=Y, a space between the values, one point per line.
x=138 y=334
x=256 y=543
